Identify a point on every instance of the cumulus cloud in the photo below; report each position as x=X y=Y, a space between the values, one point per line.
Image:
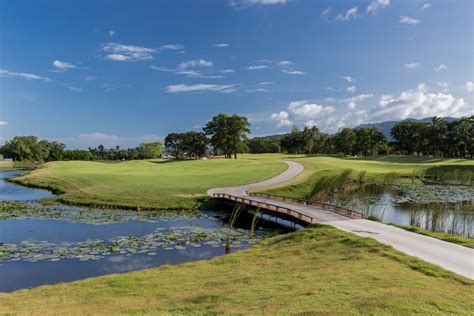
x=63 y=65
x=285 y=63
x=351 y=89
x=179 y=88
x=348 y=79
x=120 y=52
x=441 y=67
x=442 y=84
x=308 y=110
x=408 y=20
x=111 y=32
x=349 y=15
x=221 y=45
x=419 y=103
x=376 y=5
x=352 y=102
x=24 y=75
x=282 y=118
x=412 y=65
x=469 y=86
x=426 y=6
x=3 y=123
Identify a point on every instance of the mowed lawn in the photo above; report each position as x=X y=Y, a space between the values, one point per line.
x=5 y=164
x=375 y=168
x=319 y=270
x=146 y=184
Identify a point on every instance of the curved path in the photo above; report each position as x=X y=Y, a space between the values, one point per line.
x=450 y=256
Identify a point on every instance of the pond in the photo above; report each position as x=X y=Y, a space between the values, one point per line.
x=440 y=208
x=57 y=243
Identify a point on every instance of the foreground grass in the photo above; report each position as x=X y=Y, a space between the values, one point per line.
x=146 y=184
x=463 y=241
x=377 y=169
x=317 y=270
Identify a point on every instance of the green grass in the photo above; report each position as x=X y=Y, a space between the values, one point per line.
x=377 y=169
x=5 y=164
x=319 y=270
x=463 y=241
x=146 y=184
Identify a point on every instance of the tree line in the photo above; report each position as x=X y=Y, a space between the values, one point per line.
x=29 y=148
x=227 y=135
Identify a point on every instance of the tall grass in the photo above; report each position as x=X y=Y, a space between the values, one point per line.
x=233 y=217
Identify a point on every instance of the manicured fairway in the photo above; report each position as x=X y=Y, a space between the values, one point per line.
x=147 y=184
x=375 y=167
x=319 y=270
x=5 y=164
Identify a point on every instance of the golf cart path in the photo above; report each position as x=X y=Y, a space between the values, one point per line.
x=453 y=257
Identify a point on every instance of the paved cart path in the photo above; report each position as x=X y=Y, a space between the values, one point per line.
x=450 y=256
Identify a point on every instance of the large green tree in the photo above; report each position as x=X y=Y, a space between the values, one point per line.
x=228 y=133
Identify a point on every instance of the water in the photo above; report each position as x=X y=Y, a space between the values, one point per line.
x=50 y=244
x=447 y=209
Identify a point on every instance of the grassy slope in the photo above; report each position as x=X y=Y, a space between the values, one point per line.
x=317 y=270
x=463 y=241
x=148 y=184
x=375 y=167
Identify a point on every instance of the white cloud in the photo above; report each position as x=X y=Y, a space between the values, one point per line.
x=420 y=103
x=171 y=47
x=3 y=123
x=377 y=4
x=24 y=75
x=89 y=78
x=351 y=89
x=120 y=52
x=442 y=84
x=285 y=63
x=221 y=45
x=326 y=12
x=408 y=20
x=441 y=67
x=308 y=110
x=349 y=15
x=178 y=88
x=469 y=86
x=244 y=3
x=226 y=71
x=75 y=89
x=257 y=67
x=293 y=72
x=426 y=6
x=63 y=65
x=112 y=33
x=282 y=117
x=412 y=65
x=349 y=79
x=195 y=63
x=352 y=102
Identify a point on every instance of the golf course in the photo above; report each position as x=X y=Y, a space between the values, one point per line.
x=161 y=184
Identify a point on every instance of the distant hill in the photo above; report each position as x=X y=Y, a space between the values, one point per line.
x=385 y=127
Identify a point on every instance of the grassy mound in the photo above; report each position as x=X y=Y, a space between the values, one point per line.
x=146 y=184
x=319 y=270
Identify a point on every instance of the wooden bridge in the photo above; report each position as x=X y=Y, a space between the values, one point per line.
x=314 y=212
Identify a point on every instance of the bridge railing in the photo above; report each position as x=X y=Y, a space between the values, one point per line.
x=325 y=206
x=267 y=206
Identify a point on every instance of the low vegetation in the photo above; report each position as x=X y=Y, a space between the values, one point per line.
x=319 y=270
x=155 y=184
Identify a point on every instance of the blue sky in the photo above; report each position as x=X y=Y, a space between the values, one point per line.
x=122 y=72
